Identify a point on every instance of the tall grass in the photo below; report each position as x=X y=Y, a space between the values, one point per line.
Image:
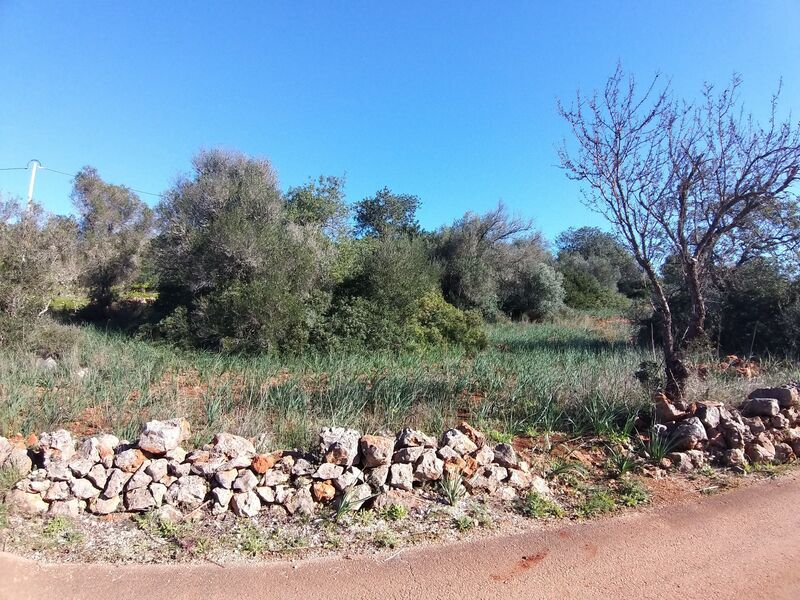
x=575 y=377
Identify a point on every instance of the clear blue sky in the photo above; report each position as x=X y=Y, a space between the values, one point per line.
x=452 y=101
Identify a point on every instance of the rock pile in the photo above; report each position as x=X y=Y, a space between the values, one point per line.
x=103 y=474
x=764 y=429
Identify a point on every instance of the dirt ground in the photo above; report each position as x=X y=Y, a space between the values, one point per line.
x=743 y=543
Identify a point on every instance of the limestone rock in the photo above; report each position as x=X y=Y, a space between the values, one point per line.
x=129 y=460
x=233 y=445
x=159 y=437
x=377 y=477
x=487 y=479
x=734 y=458
x=681 y=461
x=666 y=412
x=473 y=434
x=299 y=502
x=267 y=494
x=222 y=496
x=350 y=477
x=328 y=471
x=25 y=503
x=245 y=504
x=245 y=482
x=786 y=396
x=226 y=478
x=117 y=479
x=83 y=489
x=188 y=492
x=58 y=490
x=458 y=441
x=275 y=476
x=506 y=456
x=19 y=460
x=783 y=453
x=760 y=451
x=519 y=479
x=105 y=506
x=688 y=434
x=376 y=450
x=158 y=490
x=411 y=437
x=408 y=455
x=57 y=445
x=64 y=508
x=139 y=500
x=303 y=467
x=140 y=479
x=761 y=407
x=483 y=456
x=323 y=491
x=401 y=475
x=429 y=468
x=708 y=414
x=338 y=445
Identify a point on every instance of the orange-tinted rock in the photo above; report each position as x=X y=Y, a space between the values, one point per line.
x=263 y=462
x=323 y=491
x=473 y=434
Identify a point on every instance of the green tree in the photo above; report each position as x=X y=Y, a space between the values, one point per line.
x=320 y=202
x=387 y=212
x=235 y=272
x=113 y=228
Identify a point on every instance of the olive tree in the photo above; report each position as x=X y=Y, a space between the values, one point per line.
x=113 y=228
x=235 y=272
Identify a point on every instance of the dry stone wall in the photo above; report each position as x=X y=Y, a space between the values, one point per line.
x=103 y=474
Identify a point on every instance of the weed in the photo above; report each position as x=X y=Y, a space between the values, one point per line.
x=394 y=512
x=620 y=462
x=657 y=446
x=536 y=506
x=596 y=502
x=632 y=493
x=251 y=538
x=561 y=467
x=463 y=523
x=482 y=516
x=452 y=489
x=500 y=437
x=385 y=539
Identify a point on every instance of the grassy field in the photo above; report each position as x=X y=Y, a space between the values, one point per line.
x=575 y=377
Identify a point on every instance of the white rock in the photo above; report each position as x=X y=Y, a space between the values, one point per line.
x=339 y=445
x=233 y=445
x=83 y=489
x=116 y=481
x=429 y=468
x=328 y=471
x=64 y=508
x=458 y=441
x=57 y=445
x=98 y=476
x=159 y=437
x=105 y=506
x=245 y=504
x=245 y=482
x=401 y=475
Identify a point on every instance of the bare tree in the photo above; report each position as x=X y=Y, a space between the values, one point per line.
x=685 y=180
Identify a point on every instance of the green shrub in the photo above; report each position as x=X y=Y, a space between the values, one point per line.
x=437 y=323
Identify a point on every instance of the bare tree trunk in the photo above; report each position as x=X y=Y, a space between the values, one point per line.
x=697 y=321
x=675 y=372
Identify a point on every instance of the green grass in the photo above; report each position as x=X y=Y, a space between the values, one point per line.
x=632 y=493
x=545 y=377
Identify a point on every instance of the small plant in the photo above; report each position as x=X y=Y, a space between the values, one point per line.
x=56 y=526
x=385 y=539
x=561 y=467
x=348 y=503
x=394 y=512
x=463 y=523
x=632 y=493
x=481 y=516
x=452 y=489
x=536 y=506
x=500 y=437
x=252 y=540
x=657 y=446
x=620 y=462
x=597 y=502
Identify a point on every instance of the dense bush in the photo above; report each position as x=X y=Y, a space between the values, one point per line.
x=229 y=260
x=438 y=323
x=532 y=290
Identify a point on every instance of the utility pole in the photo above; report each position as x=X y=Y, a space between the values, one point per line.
x=33 y=165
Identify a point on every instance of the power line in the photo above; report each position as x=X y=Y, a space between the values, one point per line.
x=73 y=175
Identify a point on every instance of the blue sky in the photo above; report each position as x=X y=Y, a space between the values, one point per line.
x=452 y=101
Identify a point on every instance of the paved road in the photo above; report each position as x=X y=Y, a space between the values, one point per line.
x=742 y=544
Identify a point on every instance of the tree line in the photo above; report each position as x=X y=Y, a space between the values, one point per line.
x=701 y=199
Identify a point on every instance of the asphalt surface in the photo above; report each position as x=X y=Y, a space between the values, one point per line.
x=740 y=544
